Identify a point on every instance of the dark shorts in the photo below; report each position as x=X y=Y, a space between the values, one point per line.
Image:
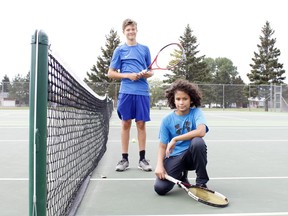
x=133 y=107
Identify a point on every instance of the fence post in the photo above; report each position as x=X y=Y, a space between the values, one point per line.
x=223 y=97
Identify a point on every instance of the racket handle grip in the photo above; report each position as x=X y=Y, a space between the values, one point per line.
x=170 y=178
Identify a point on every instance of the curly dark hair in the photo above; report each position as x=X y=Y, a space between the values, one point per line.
x=189 y=88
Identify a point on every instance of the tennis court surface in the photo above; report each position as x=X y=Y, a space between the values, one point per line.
x=247 y=162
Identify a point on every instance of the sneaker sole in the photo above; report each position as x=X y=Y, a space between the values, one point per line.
x=119 y=170
x=149 y=170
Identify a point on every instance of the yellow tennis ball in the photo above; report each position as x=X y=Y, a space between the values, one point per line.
x=133 y=140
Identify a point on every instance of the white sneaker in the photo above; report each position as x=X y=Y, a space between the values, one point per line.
x=122 y=165
x=144 y=165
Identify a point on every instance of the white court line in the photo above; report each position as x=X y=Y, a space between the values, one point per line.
x=12 y=127
x=14 y=140
x=244 y=127
x=228 y=117
x=152 y=179
x=231 y=214
x=14 y=179
x=218 y=178
x=249 y=140
x=246 y=140
x=207 y=140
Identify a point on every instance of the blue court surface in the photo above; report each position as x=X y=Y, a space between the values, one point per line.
x=247 y=162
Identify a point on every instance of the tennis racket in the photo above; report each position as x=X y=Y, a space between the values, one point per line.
x=168 y=57
x=200 y=194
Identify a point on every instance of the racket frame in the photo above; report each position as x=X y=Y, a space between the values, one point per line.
x=186 y=187
x=155 y=59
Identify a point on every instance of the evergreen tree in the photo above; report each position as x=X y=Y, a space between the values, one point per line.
x=97 y=78
x=193 y=69
x=266 y=68
x=5 y=84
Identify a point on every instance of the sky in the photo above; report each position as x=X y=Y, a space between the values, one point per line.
x=77 y=29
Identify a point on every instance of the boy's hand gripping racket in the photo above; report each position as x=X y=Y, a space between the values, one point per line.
x=168 y=57
x=200 y=194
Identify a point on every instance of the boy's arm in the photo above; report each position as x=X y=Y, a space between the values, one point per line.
x=200 y=131
x=113 y=74
x=160 y=170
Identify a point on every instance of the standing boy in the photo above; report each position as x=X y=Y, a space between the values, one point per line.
x=127 y=64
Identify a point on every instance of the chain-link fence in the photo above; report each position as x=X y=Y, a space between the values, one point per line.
x=221 y=96
x=266 y=97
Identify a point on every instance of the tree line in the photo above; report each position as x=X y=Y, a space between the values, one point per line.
x=17 y=88
x=199 y=69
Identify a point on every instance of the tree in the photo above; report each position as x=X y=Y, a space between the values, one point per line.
x=97 y=78
x=19 y=89
x=193 y=68
x=228 y=85
x=266 y=70
x=157 y=90
x=236 y=93
x=5 y=84
x=226 y=73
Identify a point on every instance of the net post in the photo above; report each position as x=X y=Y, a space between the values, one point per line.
x=38 y=124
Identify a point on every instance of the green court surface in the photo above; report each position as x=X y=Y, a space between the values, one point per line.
x=247 y=162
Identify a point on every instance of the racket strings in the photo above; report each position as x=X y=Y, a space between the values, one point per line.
x=208 y=196
x=170 y=56
x=201 y=194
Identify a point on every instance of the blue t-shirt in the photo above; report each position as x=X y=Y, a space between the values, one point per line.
x=174 y=125
x=132 y=59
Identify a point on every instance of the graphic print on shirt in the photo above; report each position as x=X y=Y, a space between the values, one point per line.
x=178 y=129
x=185 y=126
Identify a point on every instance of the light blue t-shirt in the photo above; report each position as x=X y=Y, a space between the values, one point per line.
x=132 y=59
x=174 y=125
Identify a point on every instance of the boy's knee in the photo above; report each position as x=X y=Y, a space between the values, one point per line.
x=197 y=142
x=160 y=190
x=162 y=187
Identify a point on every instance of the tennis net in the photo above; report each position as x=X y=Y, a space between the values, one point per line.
x=77 y=127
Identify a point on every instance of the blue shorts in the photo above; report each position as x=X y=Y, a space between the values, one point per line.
x=133 y=107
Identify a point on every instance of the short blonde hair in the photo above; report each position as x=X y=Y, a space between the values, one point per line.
x=127 y=22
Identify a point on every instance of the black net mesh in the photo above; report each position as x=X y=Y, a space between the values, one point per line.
x=77 y=130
